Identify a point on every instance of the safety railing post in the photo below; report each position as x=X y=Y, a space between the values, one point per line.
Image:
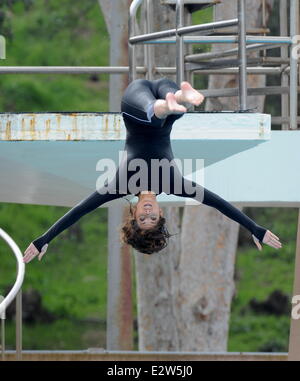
x=131 y=32
x=2 y=317
x=294 y=31
x=285 y=55
x=19 y=326
x=242 y=56
x=15 y=292
x=179 y=42
x=149 y=61
x=131 y=50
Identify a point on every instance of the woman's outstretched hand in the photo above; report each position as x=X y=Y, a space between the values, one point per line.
x=32 y=252
x=269 y=239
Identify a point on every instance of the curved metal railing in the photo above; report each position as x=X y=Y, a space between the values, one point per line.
x=179 y=32
x=15 y=292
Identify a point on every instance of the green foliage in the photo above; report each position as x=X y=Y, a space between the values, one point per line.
x=202 y=17
x=252 y=333
x=54 y=33
x=66 y=334
x=72 y=275
x=75 y=278
x=258 y=274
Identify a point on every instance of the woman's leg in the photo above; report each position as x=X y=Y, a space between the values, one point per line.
x=145 y=101
x=184 y=95
x=165 y=90
x=162 y=86
x=137 y=101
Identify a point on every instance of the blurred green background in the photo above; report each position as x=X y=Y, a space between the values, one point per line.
x=72 y=278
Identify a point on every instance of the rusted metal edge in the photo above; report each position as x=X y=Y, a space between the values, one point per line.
x=74 y=126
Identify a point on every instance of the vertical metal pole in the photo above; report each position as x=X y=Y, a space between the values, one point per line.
x=294 y=342
x=189 y=74
x=294 y=30
x=150 y=66
x=188 y=49
x=3 y=339
x=119 y=331
x=131 y=49
x=179 y=42
x=264 y=23
x=283 y=21
x=2 y=317
x=19 y=326
x=144 y=16
x=242 y=56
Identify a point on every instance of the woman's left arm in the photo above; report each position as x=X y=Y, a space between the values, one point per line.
x=259 y=233
x=198 y=192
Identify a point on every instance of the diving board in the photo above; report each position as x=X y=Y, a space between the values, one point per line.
x=50 y=158
x=73 y=126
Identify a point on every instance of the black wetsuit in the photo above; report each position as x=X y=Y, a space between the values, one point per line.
x=147 y=137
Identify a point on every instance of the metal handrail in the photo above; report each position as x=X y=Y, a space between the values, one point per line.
x=219 y=39
x=180 y=47
x=15 y=292
x=134 y=7
x=183 y=30
x=131 y=32
x=294 y=30
x=179 y=32
x=21 y=271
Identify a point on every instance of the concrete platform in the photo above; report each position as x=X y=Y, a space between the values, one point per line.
x=74 y=126
x=50 y=158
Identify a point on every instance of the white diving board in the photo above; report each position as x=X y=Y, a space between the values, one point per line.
x=74 y=126
x=50 y=158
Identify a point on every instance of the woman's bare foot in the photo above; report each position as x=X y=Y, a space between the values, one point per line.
x=188 y=95
x=163 y=108
x=173 y=106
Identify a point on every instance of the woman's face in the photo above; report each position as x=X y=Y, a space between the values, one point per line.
x=147 y=212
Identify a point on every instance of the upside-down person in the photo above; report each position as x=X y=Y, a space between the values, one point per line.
x=149 y=109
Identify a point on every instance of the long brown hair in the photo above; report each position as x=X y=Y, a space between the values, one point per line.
x=145 y=241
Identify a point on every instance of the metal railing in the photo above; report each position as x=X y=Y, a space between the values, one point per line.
x=15 y=292
x=177 y=36
x=183 y=64
x=182 y=31
x=178 y=32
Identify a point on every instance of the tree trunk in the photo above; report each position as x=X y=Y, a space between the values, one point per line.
x=157 y=283
x=184 y=293
x=209 y=239
x=157 y=274
x=116 y=18
x=119 y=305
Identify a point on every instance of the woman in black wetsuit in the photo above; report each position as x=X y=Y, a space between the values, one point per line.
x=149 y=109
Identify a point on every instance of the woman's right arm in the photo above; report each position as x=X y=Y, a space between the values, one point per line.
x=83 y=207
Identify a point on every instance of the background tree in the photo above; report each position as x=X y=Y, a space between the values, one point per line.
x=209 y=239
x=184 y=294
